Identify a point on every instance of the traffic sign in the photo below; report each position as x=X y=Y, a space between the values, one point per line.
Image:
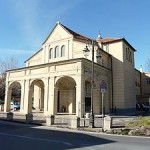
x=103 y=86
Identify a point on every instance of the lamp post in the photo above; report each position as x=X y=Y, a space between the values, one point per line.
x=86 y=50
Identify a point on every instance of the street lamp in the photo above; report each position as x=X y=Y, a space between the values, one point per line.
x=86 y=51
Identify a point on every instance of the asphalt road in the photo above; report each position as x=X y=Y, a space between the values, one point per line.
x=15 y=136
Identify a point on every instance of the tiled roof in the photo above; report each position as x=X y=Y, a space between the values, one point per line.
x=109 y=39
x=114 y=39
x=75 y=34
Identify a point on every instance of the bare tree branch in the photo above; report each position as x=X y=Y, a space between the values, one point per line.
x=6 y=64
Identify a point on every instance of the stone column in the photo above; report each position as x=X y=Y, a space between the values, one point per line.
x=7 y=100
x=80 y=96
x=28 y=98
x=22 y=96
x=74 y=101
x=51 y=103
x=37 y=97
x=55 y=99
x=46 y=95
x=42 y=99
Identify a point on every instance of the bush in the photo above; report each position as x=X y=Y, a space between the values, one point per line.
x=140 y=121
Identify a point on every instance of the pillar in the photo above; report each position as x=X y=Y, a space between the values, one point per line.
x=72 y=99
x=28 y=98
x=7 y=101
x=51 y=102
x=22 y=96
x=37 y=97
x=46 y=95
x=80 y=96
x=42 y=99
x=55 y=99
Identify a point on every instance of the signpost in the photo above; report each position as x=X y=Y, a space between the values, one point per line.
x=103 y=88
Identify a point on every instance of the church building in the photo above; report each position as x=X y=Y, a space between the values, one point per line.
x=72 y=72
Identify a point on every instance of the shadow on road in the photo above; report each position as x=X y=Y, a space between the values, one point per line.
x=22 y=137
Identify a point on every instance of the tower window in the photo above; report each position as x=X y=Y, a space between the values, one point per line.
x=51 y=53
x=63 y=51
x=56 y=52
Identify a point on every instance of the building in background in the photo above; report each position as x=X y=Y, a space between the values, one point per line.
x=57 y=78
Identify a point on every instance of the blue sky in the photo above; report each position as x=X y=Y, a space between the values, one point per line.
x=25 y=24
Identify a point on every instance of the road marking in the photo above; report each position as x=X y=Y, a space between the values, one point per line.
x=27 y=137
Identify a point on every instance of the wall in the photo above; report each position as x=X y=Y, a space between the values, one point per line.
x=129 y=76
x=116 y=50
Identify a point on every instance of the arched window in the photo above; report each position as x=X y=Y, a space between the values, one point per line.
x=51 y=53
x=56 y=51
x=63 y=51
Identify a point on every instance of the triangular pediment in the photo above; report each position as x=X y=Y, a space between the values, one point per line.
x=58 y=33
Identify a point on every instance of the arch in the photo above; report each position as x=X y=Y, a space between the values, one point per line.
x=12 y=84
x=65 y=81
x=15 y=96
x=66 y=95
x=62 y=51
x=56 y=52
x=38 y=82
x=37 y=89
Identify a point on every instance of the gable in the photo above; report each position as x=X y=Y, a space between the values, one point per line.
x=57 y=34
x=35 y=59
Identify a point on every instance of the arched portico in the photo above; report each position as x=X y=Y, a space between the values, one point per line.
x=37 y=95
x=13 y=92
x=66 y=95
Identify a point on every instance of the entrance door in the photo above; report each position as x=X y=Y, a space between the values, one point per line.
x=87 y=104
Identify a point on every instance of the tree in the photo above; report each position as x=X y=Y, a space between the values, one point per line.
x=6 y=64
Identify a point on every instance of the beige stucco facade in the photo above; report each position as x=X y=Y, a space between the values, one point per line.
x=57 y=79
x=143 y=86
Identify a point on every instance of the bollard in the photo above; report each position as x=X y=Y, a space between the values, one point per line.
x=50 y=120
x=75 y=122
x=107 y=123
x=29 y=118
x=10 y=116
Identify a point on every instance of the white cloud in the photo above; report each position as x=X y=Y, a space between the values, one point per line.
x=37 y=16
x=16 y=51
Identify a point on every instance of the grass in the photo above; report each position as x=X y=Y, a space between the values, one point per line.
x=140 y=121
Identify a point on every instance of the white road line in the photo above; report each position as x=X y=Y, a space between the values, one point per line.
x=27 y=137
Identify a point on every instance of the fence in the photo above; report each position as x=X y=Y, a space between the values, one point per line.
x=69 y=121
